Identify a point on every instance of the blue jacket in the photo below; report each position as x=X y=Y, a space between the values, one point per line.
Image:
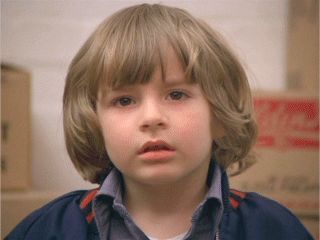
x=247 y=216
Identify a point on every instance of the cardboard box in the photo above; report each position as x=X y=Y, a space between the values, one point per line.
x=15 y=206
x=303 y=46
x=15 y=128
x=312 y=225
x=288 y=152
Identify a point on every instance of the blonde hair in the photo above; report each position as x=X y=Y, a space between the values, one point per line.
x=125 y=49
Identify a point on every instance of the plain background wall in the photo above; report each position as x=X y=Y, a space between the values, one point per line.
x=43 y=36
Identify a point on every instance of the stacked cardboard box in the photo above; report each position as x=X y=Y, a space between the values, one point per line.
x=303 y=75
x=288 y=152
x=15 y=128
x=15 y=143
x=16 y=205
x=303 y=46
x=288 y=144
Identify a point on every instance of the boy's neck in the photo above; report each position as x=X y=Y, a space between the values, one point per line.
x=163 y=197
x=168 y=205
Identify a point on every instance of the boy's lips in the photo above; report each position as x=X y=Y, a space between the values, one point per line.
x=155 y=146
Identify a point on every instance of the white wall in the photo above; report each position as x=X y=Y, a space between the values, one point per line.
x=43 y=36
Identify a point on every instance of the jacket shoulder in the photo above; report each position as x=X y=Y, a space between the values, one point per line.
x=59 y=219
x=258 y=217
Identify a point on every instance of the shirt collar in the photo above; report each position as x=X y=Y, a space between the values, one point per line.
x=214 y=182
x=112 y=186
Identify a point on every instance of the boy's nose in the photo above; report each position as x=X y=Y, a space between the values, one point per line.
x=153 y=117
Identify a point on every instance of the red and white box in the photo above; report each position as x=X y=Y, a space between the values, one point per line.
x=287 y=150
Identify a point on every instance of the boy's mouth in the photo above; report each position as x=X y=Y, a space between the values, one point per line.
x=155 y=146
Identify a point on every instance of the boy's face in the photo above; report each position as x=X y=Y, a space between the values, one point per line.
x=159 y=132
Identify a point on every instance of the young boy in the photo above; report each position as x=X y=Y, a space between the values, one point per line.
x=156 y=109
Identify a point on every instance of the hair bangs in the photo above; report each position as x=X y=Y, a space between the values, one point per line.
x=132 y=51
x=136 y=41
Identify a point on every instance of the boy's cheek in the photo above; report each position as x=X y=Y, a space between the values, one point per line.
x=193 y=128
x=118 y=136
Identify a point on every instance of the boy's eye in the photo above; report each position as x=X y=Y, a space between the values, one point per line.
x=177 y=95
x=123 y=101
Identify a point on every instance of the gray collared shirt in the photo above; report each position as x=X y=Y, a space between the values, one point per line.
x=114 y=221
